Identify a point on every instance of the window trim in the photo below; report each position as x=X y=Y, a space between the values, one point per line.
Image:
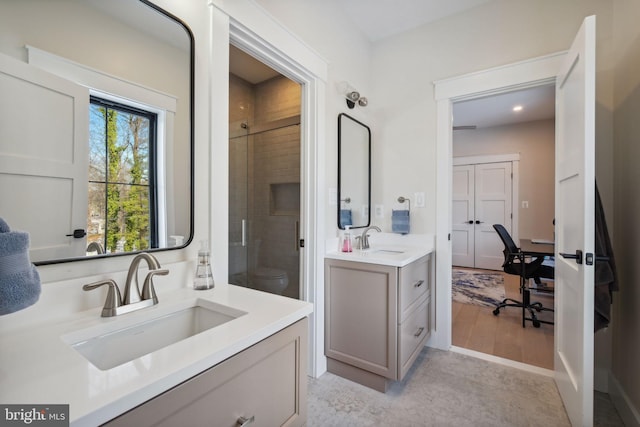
x=153 y=170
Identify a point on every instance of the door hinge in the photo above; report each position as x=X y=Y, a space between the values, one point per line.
x=302 y=243
x=449 y=237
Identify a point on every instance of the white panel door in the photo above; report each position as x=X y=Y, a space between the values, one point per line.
x=493 y=206
x=462 y=230
x=482 y=196
x=43 y=186
x=575 y=200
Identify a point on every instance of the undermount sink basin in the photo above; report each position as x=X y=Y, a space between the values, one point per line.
x=384 y=251
x=106 y=349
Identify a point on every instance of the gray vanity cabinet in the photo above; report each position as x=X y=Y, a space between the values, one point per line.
x=377 y=319
x=267 y=381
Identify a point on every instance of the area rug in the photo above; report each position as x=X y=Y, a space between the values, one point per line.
x=477 y=287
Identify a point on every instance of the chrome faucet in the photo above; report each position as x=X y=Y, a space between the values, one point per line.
x=132 y=290
x=133 y=298
x=364 y=239
x=95 y=247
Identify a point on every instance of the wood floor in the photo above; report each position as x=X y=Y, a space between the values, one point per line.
x=476 y=328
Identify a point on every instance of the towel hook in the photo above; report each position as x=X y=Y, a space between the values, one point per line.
x=402 y=199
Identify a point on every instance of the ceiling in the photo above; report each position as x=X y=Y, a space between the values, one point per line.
x=538 y=103
x=378 y=19
x=248 y=68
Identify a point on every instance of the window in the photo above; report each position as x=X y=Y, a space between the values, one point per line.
x=122 y=181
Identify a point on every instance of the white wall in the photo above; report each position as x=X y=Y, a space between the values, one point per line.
x=535 y=142
x=405 y=66
x=626 y=305
x=327 y=31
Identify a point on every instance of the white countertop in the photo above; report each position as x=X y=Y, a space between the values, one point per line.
x=392 y=255
x=38 y=367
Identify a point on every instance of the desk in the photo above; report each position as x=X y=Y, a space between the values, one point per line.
x=530 y=249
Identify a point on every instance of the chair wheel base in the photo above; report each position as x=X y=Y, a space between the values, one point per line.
x=536 y=323
x=496 y=311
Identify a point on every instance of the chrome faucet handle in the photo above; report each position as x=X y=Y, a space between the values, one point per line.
x=113 y=301
x=148 y=290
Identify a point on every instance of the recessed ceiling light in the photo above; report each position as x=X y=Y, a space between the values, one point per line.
x=517 y=108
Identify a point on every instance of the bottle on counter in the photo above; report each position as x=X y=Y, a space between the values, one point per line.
x=203 y=278
x=346 y=245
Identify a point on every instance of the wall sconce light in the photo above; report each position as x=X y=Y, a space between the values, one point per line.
x=353 y=96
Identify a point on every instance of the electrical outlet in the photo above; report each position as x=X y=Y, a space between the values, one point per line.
x=379 y=209
x=419 y=198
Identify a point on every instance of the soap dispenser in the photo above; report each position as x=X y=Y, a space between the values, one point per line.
x=346 y=245
x=203 y=278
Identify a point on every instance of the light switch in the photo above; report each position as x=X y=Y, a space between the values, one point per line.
x=525 y=204
x=379 y=211
x=419 y=198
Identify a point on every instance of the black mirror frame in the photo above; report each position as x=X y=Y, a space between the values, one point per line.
x=339 y=195
x=191 y=145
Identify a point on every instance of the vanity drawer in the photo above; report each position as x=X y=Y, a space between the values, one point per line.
x=413 y=334
x=413 y=283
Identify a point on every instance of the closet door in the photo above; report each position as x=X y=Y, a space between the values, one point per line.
x=482 y=196
x=462 y=224
x=493 y=192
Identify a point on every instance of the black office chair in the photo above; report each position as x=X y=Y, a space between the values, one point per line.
x=534 y=269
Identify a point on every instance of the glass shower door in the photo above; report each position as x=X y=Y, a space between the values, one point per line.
x=264 y=208
x=239 y=207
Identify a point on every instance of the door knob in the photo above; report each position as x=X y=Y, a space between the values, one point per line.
x=470 y=221
x=478 y=222
x=577 y=256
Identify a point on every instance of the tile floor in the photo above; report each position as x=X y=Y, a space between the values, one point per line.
x=446 y=389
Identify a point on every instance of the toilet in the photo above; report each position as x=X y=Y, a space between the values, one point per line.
x=267 y=279
x=270 y=280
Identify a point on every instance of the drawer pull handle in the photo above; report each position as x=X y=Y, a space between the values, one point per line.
x=242 y=421
x=419 y=332
x=418 y=283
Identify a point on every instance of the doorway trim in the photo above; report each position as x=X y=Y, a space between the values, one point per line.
x=250 y=28
x=528 y=73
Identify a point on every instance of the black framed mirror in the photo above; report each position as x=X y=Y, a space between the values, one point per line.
x=102 y=153
x=354 y=173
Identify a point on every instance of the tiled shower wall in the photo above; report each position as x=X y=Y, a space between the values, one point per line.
x=269 y=177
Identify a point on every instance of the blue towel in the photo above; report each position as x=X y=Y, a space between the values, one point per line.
x=345 y=217
x=400 y=221
x=19 y=279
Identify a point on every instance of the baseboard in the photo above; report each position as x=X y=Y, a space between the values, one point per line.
x=502 y=361
x=629 y=414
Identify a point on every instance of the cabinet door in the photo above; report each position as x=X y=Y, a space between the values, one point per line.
x=361 y=315
x=413 y=334
x=266 y=381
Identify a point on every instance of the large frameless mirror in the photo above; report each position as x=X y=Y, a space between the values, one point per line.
x=96 y=141
x=354 y=173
